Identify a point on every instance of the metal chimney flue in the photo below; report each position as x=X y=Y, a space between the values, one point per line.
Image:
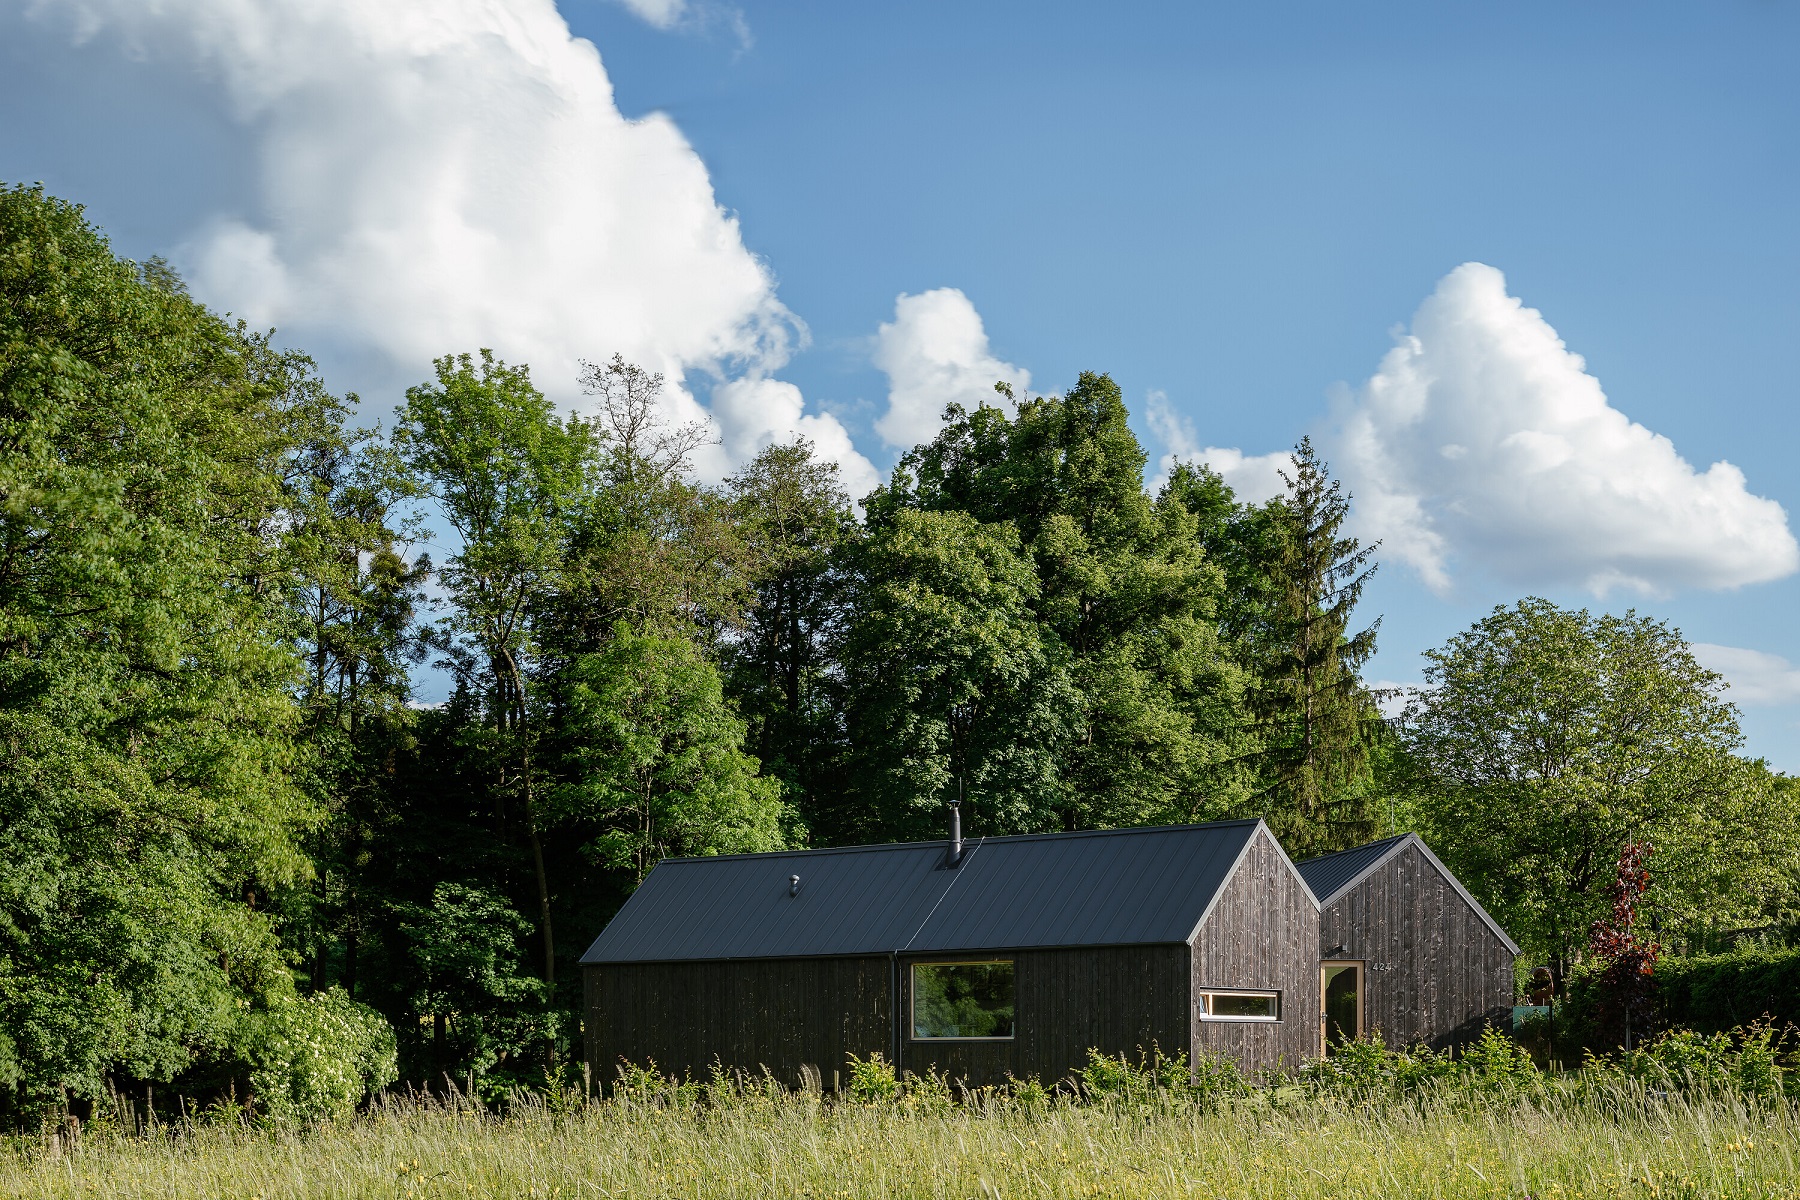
x=954 y=856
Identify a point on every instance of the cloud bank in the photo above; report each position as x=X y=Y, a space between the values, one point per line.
x=935 y=352
x=1482 y=437
x=1253 y=477
x=1757 y=679
x=441 y=175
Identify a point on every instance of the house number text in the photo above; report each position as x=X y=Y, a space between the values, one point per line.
x=1383 y=966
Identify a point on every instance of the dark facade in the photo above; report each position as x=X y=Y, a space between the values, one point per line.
x=1262 y=934
x=1431 y=966
x=1112 y=941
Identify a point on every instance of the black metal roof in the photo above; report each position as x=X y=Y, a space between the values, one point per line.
x=1331 y=875
x=1109 y=887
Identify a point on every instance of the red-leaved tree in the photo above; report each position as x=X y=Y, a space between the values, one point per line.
x=1626 y=981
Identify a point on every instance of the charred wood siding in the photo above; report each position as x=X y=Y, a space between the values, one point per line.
x=1433 y=971
x=1115 y=999
x=778 y=1013
x=1263 y=933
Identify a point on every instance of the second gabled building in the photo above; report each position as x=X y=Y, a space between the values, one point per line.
x=1406 y=952
x=1013 y=957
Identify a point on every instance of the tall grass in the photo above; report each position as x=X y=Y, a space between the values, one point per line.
x=1619 y=1138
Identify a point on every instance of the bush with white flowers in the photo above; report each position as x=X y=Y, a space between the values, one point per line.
x=318 y=1056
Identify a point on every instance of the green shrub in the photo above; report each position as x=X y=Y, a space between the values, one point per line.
x=315 y=1058
x=928 y=1094
x=1746 y=1062
x=1157 y=1078
x=1715 y=992
x=872 y=1080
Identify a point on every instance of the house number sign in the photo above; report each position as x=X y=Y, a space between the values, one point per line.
x=1384 y=966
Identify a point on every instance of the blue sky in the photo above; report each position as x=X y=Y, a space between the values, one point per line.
x=1235 y=208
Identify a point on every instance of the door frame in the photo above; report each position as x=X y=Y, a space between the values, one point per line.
x=1362 y=982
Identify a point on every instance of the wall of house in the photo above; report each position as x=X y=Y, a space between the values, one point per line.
x=779 y=1013
x=1434 y=972
x=1263 y=934
x=1116 y=999
x=789 y=1012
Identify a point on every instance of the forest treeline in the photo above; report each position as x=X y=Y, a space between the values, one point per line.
x=239 y=856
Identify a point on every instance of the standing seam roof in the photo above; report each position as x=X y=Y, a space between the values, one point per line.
x=1330 y=874
x=1108 y=887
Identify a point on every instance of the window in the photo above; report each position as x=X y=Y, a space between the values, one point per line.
x=962 y=1000
x=1240 y=1006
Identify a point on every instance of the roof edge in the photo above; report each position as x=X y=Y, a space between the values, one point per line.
x=1260 y=826
x=882 y=954
x=1464 y=893
x=870 y=847
x=1399 y=843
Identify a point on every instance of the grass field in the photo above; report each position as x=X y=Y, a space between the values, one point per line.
x=1305 y=1146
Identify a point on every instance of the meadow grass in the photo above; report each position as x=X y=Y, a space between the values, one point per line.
x=1627 y=1144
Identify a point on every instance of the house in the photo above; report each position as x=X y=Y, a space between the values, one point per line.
x=995 y=957
x=1405 y=951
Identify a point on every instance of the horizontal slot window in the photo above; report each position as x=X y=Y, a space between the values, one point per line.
x=1240 y=1006
x=969 y=1000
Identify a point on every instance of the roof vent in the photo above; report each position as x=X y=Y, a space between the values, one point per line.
x=953 y=856
x=793 y=885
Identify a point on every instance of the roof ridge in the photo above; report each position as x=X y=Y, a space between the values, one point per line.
x=936 y=842
x=1386 y=841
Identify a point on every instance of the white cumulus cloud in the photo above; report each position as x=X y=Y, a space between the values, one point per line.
x=935 y=352
x=1756 y=678
x=441 y=175
x=1482 y=437
x=754 y=413
x=1253 y=478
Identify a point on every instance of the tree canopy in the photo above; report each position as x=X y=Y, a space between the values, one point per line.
x=242 y=857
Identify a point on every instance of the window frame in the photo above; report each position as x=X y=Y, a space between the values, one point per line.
x=1207 y=993
x=1362 y=979
x=912 y=998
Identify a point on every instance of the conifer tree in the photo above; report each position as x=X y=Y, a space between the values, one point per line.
x=1314 y=714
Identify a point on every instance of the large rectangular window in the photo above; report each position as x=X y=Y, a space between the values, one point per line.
x=962 y=1000
x=1240 y=1006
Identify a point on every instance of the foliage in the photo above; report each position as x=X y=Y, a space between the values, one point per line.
x=872 y=1079
x=1315 y=716
x=482 y=1012
x=1706 y=993
x=1065 y=621
x=1554 y=738
x=1626 y=959
x=1753 y=1063
x=317 y=1057
x=798 y=531
x=655 y=764
x=508 y=474
x=954 y=691
x=147 y=807
x=1155 y=1078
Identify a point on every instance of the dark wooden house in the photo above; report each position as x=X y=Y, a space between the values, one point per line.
x=1405 y=951
x=1002 y=956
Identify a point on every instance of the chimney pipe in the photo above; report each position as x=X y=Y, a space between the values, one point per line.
x=954 y=857
x=793 y=885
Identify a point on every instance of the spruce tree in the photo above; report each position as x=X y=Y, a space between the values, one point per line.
x=1315 y=716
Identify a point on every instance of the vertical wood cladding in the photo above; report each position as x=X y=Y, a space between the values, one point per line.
x=1434 y=972
x=778 y=1013
x=1263 y=933
x=1116 y=999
